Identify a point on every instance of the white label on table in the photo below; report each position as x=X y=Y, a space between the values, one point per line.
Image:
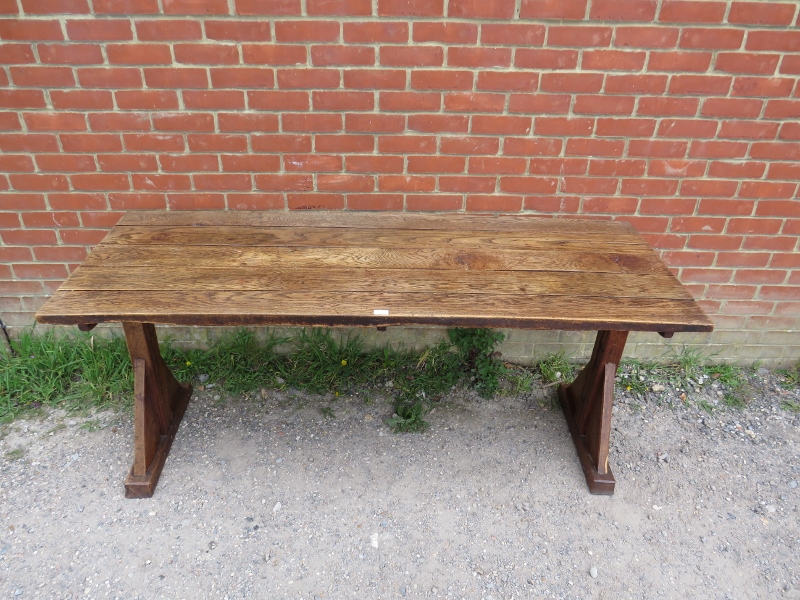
x=380 y=312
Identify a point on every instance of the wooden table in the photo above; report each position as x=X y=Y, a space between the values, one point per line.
x=372 y=270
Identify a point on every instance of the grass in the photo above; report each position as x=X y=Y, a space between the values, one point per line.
x=15 y=454
x=556 y=367
x=790 y=377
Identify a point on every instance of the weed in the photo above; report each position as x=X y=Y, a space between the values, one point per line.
x=790 y=405
x=91 y=425
x=408 y=417
x=475 y=348
x=520 y=380
x=733 y=401
x=706 y=406
x=790 y=378
x=15 y=454
x=556 y=367
x=327 y=412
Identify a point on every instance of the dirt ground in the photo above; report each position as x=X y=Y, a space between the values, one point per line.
x=274 y=498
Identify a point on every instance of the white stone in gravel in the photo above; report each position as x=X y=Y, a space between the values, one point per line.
x=277 y=507
x=373 y=539
x=593 y=572
x=658 y=387
x=792 y=484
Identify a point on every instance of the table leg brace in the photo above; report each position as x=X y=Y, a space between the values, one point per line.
x=587 y=408
x=159 y=404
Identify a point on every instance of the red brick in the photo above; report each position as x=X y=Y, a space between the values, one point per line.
x=60 y=121
x=775 y=150
x=207 y=54
x=481 y=9
x=687 y=128
x=778 y=208
x=763 y=13
x=516 y=34
x=474 y=102
x=471 y=145
x=217 y=142
x=760 y=226
x=782 y=109
x=307 y=31
x=784 y=171
x=439 y=123
x=494 y=202
x=558 y=166
x=726 y=207
x=69 y=54
x=163 y=29
x=615 y=204
x=119 y=121
x=649 y=187
x=239 y=31
x=713 y=149
x=686 y=107
x=372 y=79
x=767 y=189
x=312 y=122
x=407 y=144
x=308 y=78
x=241 y=77
x=176 y=77
x=16 y=162
x=679 y=61
x=222 y=181
x=339 y=7
x=410 y=101
x=40 y=271
x=158 y=142
x=497 y=165
x=707 y=276
x=22 y=237
x=708 y=188
x=700 y=84
x=730 y=107
x=411 y=56
x=147 y=99
x=371 y=32
x=623 y=10
x=754 y=130
x=139 y=54
x=274 y=54
x=603 y=105
x=646 y=37
x=50 y=219
x=612 y=60
x=9 y=121
x=762 y=86
x=100 y=181
x=667 y=206
x=61 y=254
x=160 y=182
x=247 y=122
x=23 y=53
x=283 y=183
x=743 y=259
x=594 y=185
x=65 y=162
x=501 y=124
x=760 y=276
x=545 y=58
x=22 y=99
x=441 y=80
x=126 y=162
x=539 y=103
x=182 y=163
x=781 y=41
x=125 y=7
x=739 y=170
x=340 y=100
x=679 y=11
x=790 y=131
x=195 y=7
x=509 y=82
x=25 y=182
x=711 y=39
x=12 y=201
x=789 y=65
x=312 y=162
x=411 y=8
x=563 y=126
x=714 y=242
x=250 y=163
x=28 y=142
x=216 y=99
x=657 y=148
x=741 y=62
x=345 y=183
x=91 y=142
x=579 y=36
x=436 y=164
x=478 y=57
x=406 y=183
x=49 y=7
x=196 y=201
x=274 y=100
x=698 y=225
x=587 y=83
x=374 y=164
x=104 y=30
x=529 y=185
x=267 y=7
x=553 y=9
x=34 y=30
x=769 y=242
x=374 y=123
x=112 y=77
x=375 y=201
x=328 y=55
x=552 y=204
x=256 y=202
x=617 y=168
x=42 y=76
x=315 y=201
x=137 y=201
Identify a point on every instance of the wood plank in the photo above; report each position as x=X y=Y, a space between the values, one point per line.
x=180 y=257
x=377 y=238
x=282 y=278
x=373 y=220
x=357 y=309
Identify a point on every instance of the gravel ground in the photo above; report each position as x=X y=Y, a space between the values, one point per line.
x=274 y=498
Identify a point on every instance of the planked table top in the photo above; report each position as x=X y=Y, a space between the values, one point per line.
x=374 y=269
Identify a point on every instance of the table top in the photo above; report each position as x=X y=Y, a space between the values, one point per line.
x=374 y=269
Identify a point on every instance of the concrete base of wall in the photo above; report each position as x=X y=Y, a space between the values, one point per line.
x=774 y=349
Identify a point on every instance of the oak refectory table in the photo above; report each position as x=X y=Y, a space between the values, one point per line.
x=372 y=270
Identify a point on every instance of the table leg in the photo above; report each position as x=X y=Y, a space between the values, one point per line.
x=586 y=403
x=159 y=404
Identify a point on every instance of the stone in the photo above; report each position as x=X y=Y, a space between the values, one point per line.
x=593 y=572
x=792 y=484
x=657 y=387
x=277 y=507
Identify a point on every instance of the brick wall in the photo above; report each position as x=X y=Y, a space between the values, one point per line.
x=678 y=116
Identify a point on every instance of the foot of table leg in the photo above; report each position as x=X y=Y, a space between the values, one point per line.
x=587 y=408
x=159 y=404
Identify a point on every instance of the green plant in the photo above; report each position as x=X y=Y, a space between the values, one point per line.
x=408 y=417
x=790 y=405
x=475 y=349
x=556 y=367
x=790 y=378
x=706 y=406
x=327 y=412
x=15 y=454
x=520 y=380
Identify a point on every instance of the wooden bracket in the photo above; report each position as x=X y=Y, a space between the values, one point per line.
x=86 y=326
x=666 y=334
x=587 y=404
x=159 y=405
